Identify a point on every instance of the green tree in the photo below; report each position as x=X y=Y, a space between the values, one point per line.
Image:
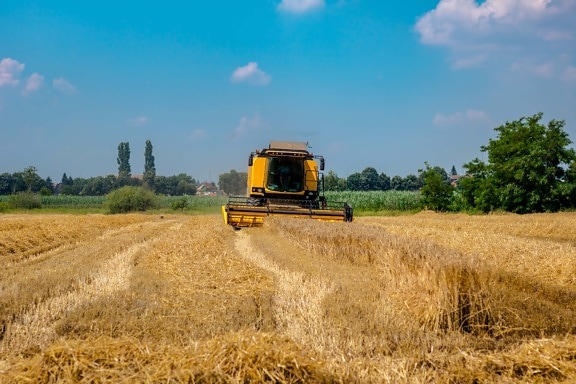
x=30 y=177
x=369 y=179
x=528 y=166
x=396 y=183
x=98 y=186
x=124 y=171
x=47 y=188
x=411 y=183
x=453 y=171
x=233 y=183
x=149 y=167
x=18 y=182
x=383 y=182
x=6 y=183
x=175 y=185
x=437 y=191
x=477 y=187
x=354 y=182
x=334 y=183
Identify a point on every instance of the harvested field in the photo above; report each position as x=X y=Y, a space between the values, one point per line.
x=409 y=299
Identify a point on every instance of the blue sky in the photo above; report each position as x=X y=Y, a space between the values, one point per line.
x=386 y=84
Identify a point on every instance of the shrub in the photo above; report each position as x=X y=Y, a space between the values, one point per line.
x=44 y=191
x=129 y=199
x=179 y=204
x=4 y=206
x=25 y=200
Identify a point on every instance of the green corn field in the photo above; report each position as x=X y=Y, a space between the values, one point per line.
x=361 y=201
x=377 y=201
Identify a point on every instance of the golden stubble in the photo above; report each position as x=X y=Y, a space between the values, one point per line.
x=421 y=298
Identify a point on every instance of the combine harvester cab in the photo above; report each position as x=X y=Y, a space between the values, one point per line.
x=283 y=180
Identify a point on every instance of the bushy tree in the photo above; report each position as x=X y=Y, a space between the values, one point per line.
x=233 y=183
x=396 y=183
x=411 y=183
x=334 y=183
x=32 y=180
x=528 y=169
x=354 y=182
x=6 y=183
x=98 y=186
x=437 y=191
x=175 y=185
x=383 y=182
x=369 y=179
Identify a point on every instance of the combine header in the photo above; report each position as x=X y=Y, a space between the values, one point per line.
x=283 y=180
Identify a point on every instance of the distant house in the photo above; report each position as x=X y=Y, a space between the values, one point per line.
x=455 y=179
x=208 y=189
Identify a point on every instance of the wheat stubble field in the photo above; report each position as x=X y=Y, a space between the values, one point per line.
x=423 y=298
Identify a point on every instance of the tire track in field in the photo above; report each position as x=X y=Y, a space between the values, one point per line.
x=298 y=310
x=36 y=326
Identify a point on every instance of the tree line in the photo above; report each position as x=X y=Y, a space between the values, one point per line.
x=530 y=168
x=29 y=181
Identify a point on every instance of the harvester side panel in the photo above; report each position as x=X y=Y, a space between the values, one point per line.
x=257 y=174
x=311 y=175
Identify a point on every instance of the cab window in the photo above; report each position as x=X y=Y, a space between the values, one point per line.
x=285 y=174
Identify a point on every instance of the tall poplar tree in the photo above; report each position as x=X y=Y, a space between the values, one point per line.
x=124 y=171
x=149 y=167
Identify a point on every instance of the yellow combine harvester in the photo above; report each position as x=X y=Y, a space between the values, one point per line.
x=283 y=180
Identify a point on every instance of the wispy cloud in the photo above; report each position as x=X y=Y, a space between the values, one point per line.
x=63 y=85
x=476 y=32
x=248 y=123
x=35 y=81
x=10 y=71
x=300 y=6
x=139 y=121
x=197 y=134
x=457 y=118
x=541 y=70
x=251 y=74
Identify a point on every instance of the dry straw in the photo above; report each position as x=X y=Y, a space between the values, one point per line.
x=414 y=299
x=232 y=358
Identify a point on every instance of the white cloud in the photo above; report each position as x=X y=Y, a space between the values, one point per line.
x=478 y=31
x=139 y=121
x=457 y=118
x=300 y=6
x=251 y=74
x=63 y=85
x=10 y=71
x=454 y=20
x=34 y=82
x=247 y=124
